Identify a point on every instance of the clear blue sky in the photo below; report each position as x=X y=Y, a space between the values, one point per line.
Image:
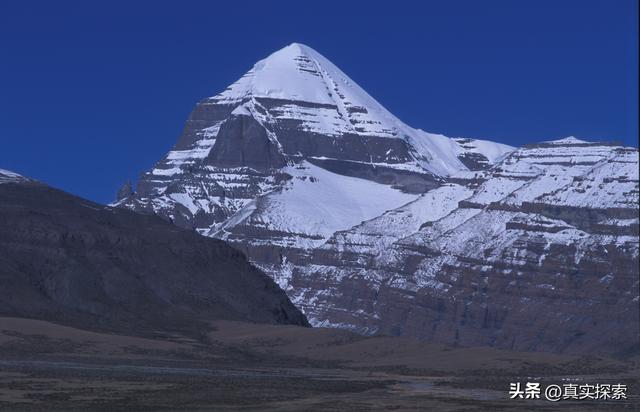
x=93 y=93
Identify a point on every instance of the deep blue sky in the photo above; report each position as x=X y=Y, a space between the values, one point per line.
x=93 y=93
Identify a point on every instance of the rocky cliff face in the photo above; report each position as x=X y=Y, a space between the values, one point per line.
x=72 y=261
x=538 y=253
x=371 y=225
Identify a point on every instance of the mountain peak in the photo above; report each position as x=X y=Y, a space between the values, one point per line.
x=307 y=106
x=299 y=73
x=311 y=91
x=298 y=45
x=293 y=50
x=569 y=140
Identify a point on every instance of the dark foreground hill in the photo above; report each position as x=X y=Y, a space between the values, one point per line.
x=69 y=260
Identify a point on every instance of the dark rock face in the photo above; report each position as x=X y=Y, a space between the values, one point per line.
x=69 y=260
x=407 y=181
x=470 y=158
x=243 y=142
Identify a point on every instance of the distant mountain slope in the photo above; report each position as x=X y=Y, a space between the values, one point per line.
x=538 y=253
x=69 y=260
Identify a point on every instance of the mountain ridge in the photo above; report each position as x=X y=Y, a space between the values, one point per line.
x=70 y=260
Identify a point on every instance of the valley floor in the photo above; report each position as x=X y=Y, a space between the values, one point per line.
x=245 y=367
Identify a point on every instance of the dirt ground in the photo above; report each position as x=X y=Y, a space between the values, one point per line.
x=247 y=367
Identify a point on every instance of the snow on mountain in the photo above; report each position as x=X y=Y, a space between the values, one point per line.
x=7 y=176
x=297 y=73
x=480 y=154
x=553 y=217
x=566 y=141
x=291 y=107
x=314 y=204
x=299 y=87
x=375 y=234
x=611 y=183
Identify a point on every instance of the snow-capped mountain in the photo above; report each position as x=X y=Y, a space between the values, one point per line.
x=538 y=253
x=291 y=107
x=371 y=225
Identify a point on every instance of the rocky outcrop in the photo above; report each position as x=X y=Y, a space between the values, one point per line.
x=243 y=142
x=125 y=191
